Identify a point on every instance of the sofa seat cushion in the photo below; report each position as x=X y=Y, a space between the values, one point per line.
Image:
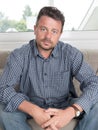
x=70 y=126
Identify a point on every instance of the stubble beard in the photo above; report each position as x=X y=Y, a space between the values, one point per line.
x=46 y=47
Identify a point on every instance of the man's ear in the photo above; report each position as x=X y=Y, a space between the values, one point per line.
x=34 y=29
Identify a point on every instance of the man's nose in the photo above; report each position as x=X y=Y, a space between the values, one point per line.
x=48 y=34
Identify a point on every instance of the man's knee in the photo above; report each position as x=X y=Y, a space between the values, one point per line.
x=1 y=116
x=94 y=110
x=15 y=119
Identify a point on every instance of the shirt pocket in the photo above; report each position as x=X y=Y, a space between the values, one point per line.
x=60 y=82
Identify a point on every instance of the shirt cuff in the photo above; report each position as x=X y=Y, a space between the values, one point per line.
x=15 y=102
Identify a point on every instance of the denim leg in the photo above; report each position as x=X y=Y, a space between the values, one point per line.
x=13 y=120
x=1 y=122
x=89 y=121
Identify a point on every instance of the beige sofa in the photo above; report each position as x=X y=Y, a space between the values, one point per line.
x=91 y=56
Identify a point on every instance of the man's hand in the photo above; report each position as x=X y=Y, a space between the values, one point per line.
x=52 y=127
x=40 y=116
x=59 y=118
x=37 y=113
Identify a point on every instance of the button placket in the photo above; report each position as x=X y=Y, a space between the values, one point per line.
x=45 y=73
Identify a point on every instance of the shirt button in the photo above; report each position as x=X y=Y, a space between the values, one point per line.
x=45 y=74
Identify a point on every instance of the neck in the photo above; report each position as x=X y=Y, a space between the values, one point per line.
x=45 y=54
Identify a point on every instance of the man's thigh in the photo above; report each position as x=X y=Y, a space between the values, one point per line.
x=13 y=120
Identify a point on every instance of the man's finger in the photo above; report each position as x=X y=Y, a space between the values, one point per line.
x=51 y=110
x=47 y=124
x=53 y=127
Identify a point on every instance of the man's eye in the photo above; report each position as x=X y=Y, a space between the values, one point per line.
x=54 y=31
x=43 y=29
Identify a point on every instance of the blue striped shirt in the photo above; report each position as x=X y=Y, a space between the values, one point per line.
x=47 y=82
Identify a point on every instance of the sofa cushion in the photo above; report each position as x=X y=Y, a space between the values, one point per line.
x=70 y=126
x=3 y=57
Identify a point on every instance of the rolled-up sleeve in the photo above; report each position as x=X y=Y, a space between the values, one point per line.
x=9 y=79
x=88 y=81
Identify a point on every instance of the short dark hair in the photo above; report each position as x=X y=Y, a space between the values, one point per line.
x=52 y=12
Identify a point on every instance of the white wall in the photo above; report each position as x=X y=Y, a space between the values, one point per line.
x=79 y=39
x=82 y=39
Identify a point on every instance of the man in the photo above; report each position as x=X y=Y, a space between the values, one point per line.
x=37 y=81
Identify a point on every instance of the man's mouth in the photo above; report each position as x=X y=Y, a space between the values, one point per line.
x=47 y=40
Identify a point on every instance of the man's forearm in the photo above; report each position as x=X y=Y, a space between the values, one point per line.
x=80 y=108
x=27 y=107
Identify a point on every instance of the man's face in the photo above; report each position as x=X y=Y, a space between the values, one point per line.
x=47 y=32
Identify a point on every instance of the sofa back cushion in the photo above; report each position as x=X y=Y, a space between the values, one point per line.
x=3 y=58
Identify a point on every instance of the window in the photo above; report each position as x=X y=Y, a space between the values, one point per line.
x=20 y=15
x=17 y=18
x=79 y=14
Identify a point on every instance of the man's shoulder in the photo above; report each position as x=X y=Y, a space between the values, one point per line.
x=22 y=51
x=64 y=45
x=68 y=46
x=68 y=49
x=25 y=48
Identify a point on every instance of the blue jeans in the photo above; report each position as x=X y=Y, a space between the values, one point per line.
x=89 y=121
x=13 y=120
x=17 y=120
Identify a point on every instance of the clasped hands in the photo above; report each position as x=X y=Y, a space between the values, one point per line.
x=53 y=119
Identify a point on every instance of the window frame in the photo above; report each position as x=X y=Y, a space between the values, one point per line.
x=79 y=39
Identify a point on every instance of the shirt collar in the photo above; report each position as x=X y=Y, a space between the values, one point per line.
x=55 y=51
x=36 y=53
